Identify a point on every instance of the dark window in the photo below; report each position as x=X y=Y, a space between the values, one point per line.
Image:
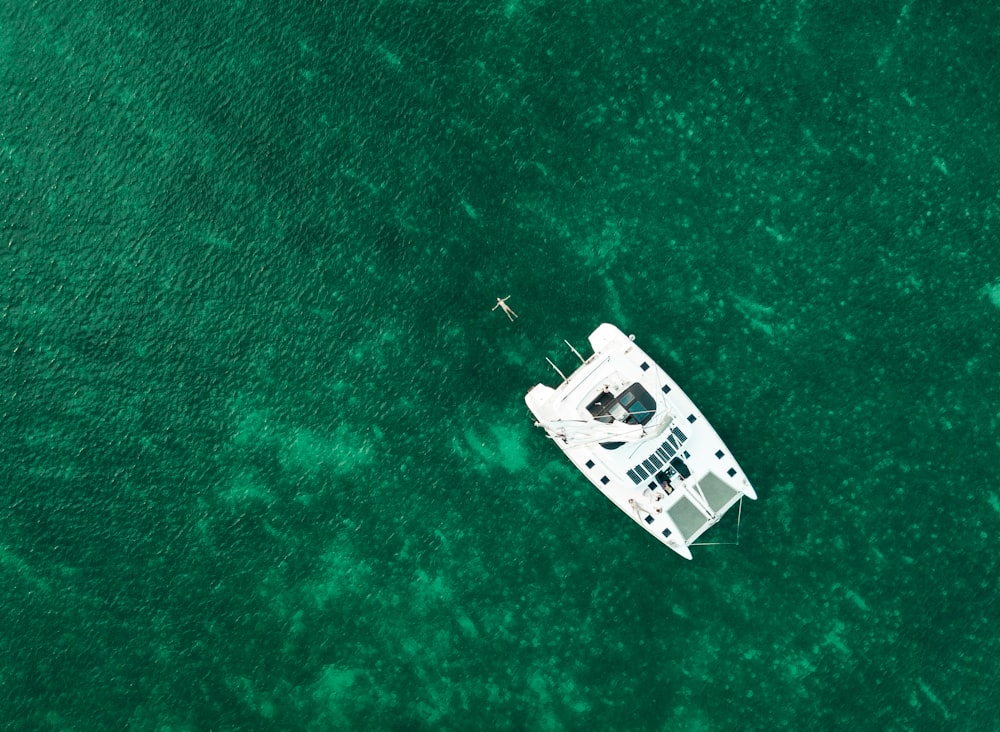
x=644 y=366
x=649 y=519
x=590 y=463
x=638 y=413
x=666 y=533
x=657 y=463
x=642 y=473
x=665 y=388
x=680 y=435
x=668 y=449
x=604 y=479
x=640 y=404
x=719 y=454
x=635 y=405
x=691 y=418
x=648 y=466
x=635 y=478
x=731 y=472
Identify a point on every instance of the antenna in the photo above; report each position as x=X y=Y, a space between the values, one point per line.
x=556 y=368
x=574 y=351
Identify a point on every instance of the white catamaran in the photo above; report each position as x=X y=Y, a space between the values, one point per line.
x=638 y=437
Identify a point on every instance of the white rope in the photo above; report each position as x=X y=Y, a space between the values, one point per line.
x=739 y=518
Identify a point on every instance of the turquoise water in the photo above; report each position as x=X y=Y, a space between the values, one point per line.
x=267 y=460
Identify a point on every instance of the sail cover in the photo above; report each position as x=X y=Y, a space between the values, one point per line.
x=589 y=431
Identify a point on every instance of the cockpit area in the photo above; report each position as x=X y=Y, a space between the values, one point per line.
x=635 y=405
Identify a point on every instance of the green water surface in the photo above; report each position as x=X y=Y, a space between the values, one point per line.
x=266 y=459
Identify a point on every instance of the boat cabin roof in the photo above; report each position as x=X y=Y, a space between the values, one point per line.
x=634 y=405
